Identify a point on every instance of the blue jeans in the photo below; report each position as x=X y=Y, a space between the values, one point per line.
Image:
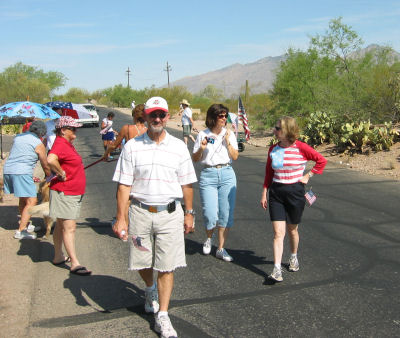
x=218 y=196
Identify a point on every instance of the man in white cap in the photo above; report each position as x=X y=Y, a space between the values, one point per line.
x=187 y=121
x=155 y=171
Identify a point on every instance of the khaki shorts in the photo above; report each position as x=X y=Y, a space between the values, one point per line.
x=161 y=234
x=64 y=206
x=187 y=129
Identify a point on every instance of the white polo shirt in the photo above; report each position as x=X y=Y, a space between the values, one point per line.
x=186 y=116
x=154 y=171
x=217 y=152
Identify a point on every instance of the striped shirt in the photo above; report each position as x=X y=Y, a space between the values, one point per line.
x=286 y=165
x=154 y=171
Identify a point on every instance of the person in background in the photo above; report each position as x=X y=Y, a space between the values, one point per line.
x=155 y=171
x=129 y=131
x=133 y=104
x=284 y=188
x=187 y=121
x=51 y=132
x=66 y=193
x=27 y=124
x=107 y=132
x=215 y=148
x=27 y=148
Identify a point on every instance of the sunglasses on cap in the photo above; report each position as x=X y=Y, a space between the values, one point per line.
x=161 y=115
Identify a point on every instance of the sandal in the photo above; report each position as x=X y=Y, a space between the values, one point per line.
x=66 y=260
x=81 y=271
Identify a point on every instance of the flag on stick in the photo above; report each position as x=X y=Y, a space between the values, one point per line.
x=310 y=197
x=233 y=118
x=243 y=117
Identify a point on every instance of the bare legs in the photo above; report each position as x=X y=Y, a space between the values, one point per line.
x=279 y=235
x=64 y=233
x=24 y=204
x=222 y=236
x=165 y=284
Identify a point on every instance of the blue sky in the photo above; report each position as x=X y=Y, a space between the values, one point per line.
x=94 y=42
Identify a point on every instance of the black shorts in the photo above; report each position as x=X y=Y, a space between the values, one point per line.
x=286 y=202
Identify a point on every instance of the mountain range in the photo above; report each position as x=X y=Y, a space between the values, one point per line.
x=260 y=75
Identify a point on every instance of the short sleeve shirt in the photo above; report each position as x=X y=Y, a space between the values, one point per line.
x=155 y=172
x=71 y=163
x=23 y=157
x=217 y=152
x=186 y=116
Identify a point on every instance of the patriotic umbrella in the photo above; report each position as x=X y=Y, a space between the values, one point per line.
x=77 y=111
x=27 y=109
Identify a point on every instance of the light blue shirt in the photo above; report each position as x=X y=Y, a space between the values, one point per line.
x=23 y=157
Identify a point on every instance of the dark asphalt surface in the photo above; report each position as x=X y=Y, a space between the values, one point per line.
x=348 y=283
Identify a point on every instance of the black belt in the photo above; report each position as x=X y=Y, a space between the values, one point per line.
x=156 y=208
x=218 y=166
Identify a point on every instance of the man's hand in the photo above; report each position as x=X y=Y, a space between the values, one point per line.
x=189 y=223
x=120 y=229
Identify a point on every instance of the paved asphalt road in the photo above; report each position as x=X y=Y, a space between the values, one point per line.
x=348 y=283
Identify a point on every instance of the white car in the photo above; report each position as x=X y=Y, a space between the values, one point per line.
x=94 y=120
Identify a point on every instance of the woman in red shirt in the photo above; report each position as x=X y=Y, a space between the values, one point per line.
x=66 y=192
x=284 y=182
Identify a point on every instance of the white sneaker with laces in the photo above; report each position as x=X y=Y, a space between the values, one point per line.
x=222 y=254
x=207 y=246
x=32 y=228
x=24 y=235
x=276 y=274
x=164 y=327
x=151 y=304
x=293 y=264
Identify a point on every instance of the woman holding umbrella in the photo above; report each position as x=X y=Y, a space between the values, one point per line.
x=66 y=192
x=27 y=148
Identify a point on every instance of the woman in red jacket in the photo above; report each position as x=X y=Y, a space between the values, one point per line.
x=285 y=184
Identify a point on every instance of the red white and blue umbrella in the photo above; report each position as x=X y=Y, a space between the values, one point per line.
x=77 y=111
x=27 y=109
x=59 y=104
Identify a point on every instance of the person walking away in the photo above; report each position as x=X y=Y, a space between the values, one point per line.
x=66 y=193
x=129 y=131
x=107 y=132
x=187 y=121
x=155 y=171
x=18 y=170
x=216 y=148
x=284 y=189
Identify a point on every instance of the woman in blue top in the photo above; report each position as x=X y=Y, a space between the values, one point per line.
x=27 y=148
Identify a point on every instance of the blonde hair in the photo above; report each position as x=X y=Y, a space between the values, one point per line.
x=290 y=128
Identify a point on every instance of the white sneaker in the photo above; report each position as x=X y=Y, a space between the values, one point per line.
x=164 y=327
x=276 y=275
x=32 y=228
x=207 y=246
x=151 y=304
x=222 y=254
x=293 y=264
x=24 y=235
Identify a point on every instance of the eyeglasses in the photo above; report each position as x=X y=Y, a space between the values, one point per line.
x=278 y=128
x=222 y=116
x=161 y=116
x=71 y=128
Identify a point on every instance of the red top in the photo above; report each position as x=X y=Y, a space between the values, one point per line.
x=286 y=165
x=26 y=126
x=71 y=163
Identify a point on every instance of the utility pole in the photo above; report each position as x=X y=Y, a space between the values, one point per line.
x=168 y=69
x=246 y=93
x=128 y=71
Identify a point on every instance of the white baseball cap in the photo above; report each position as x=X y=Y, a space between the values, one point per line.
x=155 y=103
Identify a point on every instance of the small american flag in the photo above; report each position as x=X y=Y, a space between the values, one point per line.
x=243 y=117
x=310 y=197
x=137 y=243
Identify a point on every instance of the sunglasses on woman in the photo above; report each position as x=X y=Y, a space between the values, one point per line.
x=222 y=116
x=71 y=128
x=278 y=128
x=161 y=116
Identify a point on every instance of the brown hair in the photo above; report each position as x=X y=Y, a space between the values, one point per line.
x=138 y=113
x=213 y=112
x=290 y=129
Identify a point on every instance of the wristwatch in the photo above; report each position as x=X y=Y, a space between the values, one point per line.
x=190 y=211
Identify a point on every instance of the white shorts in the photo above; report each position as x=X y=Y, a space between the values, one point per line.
x=161 y=234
